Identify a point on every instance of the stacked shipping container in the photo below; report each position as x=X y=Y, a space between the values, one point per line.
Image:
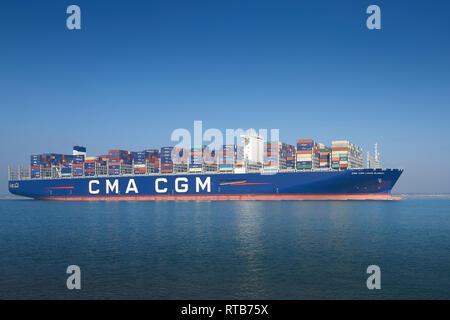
x=209 y=160
x=102 y=165
x=239 y=159
x=324 y=157
x=180 y=158
x=290 y=158
x=115 y=159
x=153 y=157
x=230 y=158
x=278 y=156
x=66 y=167
x=77 y=166
x=166 y=160
x=346 y=155
x=90 y=165
x=35 y=166
x=226 y=158
x=146 y=161
x=196 y=159
x=307 y=154
x=140 y=162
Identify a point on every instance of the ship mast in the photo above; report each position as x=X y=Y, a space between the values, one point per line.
x=375 y=161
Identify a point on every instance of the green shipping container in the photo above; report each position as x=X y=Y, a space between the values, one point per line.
x=304 y=166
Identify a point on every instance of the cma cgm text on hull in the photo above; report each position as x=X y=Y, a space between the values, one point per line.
x=181 y=185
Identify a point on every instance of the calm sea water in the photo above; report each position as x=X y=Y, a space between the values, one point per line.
x=225 y=250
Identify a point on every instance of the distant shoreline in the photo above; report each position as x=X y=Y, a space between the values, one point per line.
x=423 y=195
x=13 y=197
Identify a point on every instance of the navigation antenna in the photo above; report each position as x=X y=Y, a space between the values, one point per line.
x=377 y=157
x=375 y=161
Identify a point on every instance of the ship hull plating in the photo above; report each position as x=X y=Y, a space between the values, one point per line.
x=360 y=184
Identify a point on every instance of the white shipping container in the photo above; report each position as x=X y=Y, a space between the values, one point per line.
x=304 y=156
x=340 y=143
x=339 y=153
x=239 y=170
x=270 y=168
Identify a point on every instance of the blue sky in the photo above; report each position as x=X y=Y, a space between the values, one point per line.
x=137 y=70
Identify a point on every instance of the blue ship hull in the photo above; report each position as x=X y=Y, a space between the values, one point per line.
x=357 y=184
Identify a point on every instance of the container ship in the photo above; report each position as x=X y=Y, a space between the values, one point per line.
x=257 y=170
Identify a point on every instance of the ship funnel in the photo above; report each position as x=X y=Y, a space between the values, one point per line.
x=79 y=150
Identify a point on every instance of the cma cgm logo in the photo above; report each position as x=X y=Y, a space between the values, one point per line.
x=181 y=185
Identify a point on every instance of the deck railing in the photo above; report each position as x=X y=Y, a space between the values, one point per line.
x=54 y=172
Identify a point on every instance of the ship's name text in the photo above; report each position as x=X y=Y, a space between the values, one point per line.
x=181 y=185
